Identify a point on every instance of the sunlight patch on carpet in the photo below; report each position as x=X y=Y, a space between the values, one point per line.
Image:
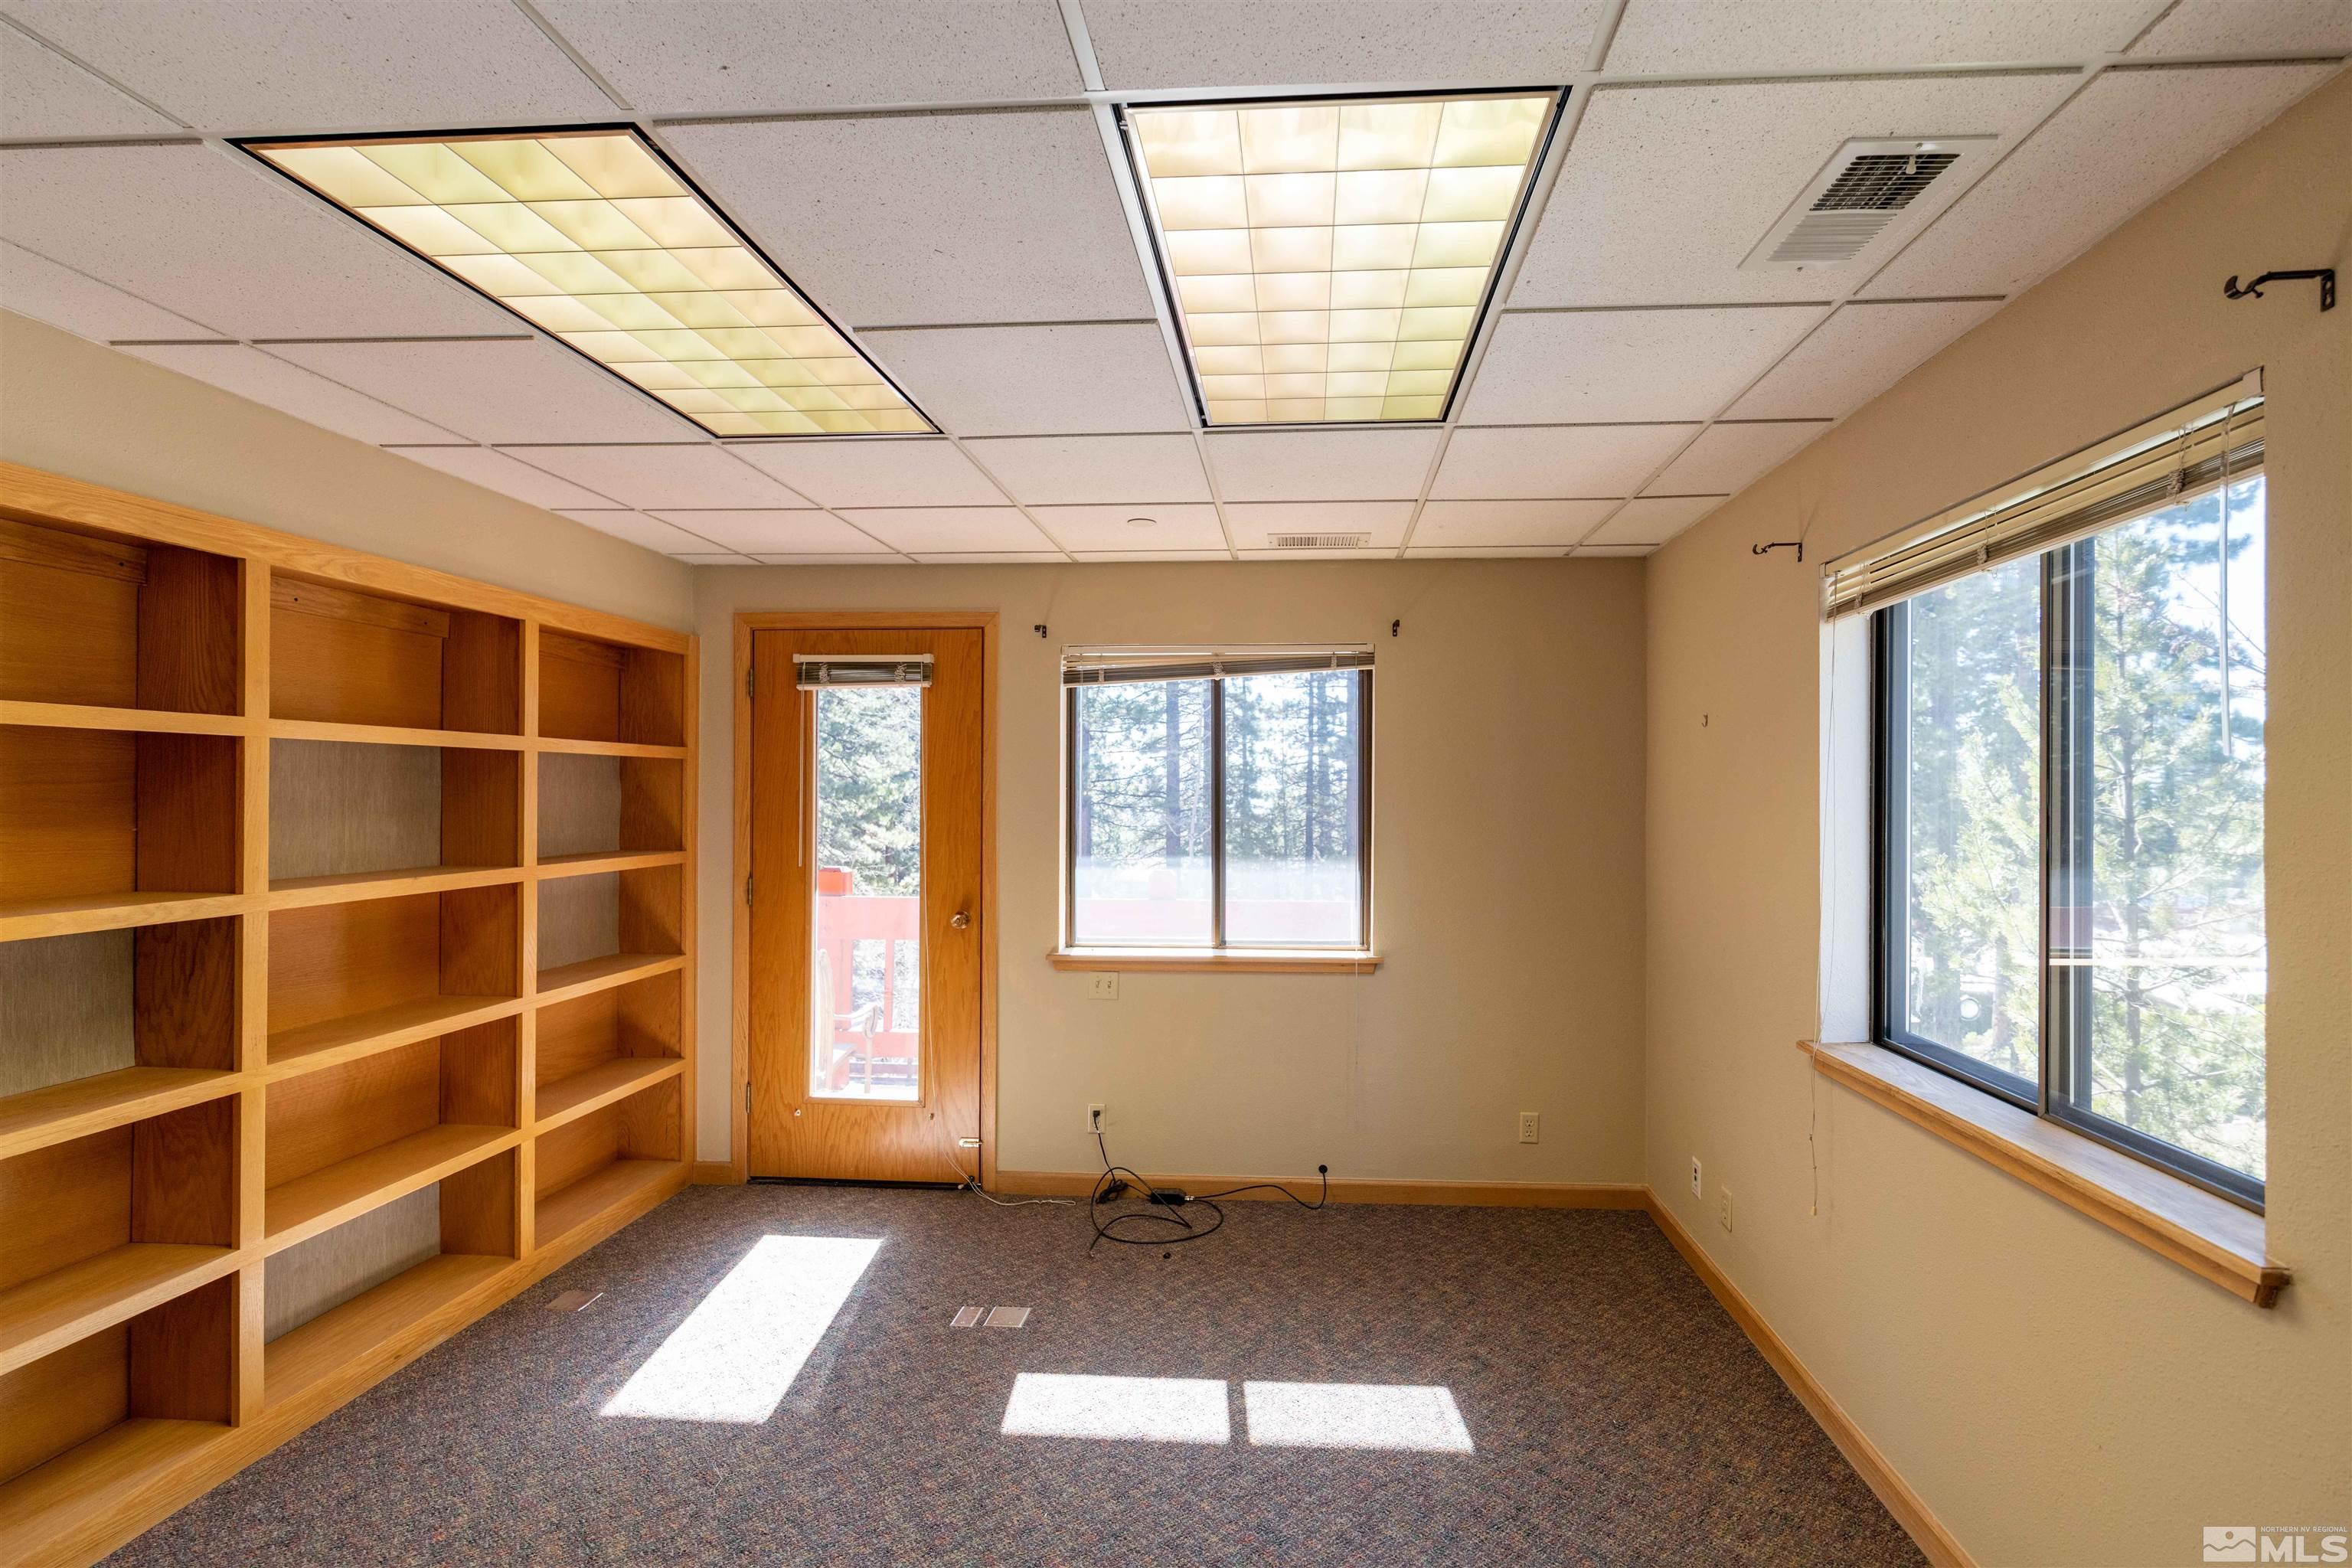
x=1118 y=1409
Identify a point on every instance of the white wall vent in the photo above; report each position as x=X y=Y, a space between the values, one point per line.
x=1857 y=195
x=1317 y=541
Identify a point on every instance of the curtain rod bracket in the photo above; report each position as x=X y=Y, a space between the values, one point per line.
x=2327 y=276
x=1796 y=544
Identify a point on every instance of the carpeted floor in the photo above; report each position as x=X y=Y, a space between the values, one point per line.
x=1615 y=1415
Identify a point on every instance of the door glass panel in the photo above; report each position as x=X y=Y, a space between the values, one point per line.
x=865 y=1010
x=1294 y=809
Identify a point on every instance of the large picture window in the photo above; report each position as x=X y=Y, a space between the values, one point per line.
x=1219 y=800
x=2069 y=824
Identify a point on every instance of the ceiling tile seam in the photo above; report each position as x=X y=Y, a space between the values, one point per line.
x=580 y=61
x=2090 y=72
x=2156 y=13
x=1684 y=305
x=71 y=143
x=1001 y=326
x=1082 y=45
x=1546 y=180
x=716 y=547
x=1604 y=38
x=611 y=503
x=63 y=53
x=1005 y=491
x=102 y=283
x=1139 y=231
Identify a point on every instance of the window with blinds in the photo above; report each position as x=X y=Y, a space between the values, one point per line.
x=2071 y=700
x=1219 y=798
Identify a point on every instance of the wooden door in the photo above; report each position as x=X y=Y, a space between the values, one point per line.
x=854 y=905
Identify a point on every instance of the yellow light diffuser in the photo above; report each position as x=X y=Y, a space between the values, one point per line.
x=1329 y=258
x=589 y=235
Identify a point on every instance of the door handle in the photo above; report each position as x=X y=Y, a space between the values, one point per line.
x=961 y=918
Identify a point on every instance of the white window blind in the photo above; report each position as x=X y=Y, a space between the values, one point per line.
x=1103 y=666
x=815 y=671
x=2176 y=457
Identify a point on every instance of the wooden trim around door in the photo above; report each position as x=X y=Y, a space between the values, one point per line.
x=738 y=1135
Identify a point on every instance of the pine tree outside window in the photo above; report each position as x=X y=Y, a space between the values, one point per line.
x=1218 y=801
x=2069 y=820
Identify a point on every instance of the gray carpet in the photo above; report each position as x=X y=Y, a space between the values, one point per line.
x=1612 y=1413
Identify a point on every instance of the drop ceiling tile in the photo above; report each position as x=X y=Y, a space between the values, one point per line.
x=1602 y=366
x=1321 y=465
x=1181 y=527
x=1683 y=37
x=666 y=477
x=245 y=67
x=1487 y=553
x=1038 y=381
x=1517 y=523
x=34 y=286
x=211 y=235
x=915 y=219
x=44 y=94
x=699 y=558
x=1131 y=557
x=760 y=533
x=1216 y=43
x=780 y=560
x=2249 y=27
x=1385 y=522
x=1369 y=553
x=1653 y=519
x=1856 y=354
x=1543 y=460
x=2129 y=137
x=917 y=471
x=1666 y=190
x=723 y=57
x=1060 y=471
x=506 y=391
x=495 y=472
x=638 y=529
x=288 y=388
x=1728 y=457
x=935 y=530
x=991 y=558
x=1614 y=551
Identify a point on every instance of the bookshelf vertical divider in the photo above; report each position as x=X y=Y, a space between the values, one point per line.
x=346 y=979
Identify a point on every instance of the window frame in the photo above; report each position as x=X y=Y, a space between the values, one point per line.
x=1217 y=946
x=2065 y=1006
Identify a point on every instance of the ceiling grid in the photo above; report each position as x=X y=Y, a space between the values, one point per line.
x=276 y=296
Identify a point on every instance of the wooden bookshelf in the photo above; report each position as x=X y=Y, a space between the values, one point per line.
x=278 y=824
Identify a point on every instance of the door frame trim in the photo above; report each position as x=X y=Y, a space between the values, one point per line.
x=738 y=1076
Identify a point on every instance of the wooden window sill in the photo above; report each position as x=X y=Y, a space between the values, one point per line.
x=1197 y=960
x=2204 y=1234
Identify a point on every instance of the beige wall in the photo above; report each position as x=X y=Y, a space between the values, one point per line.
x=74 y=407
x=2055 y=1394
x=1507 y=802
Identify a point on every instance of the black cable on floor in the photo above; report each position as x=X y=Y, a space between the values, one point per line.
x=1108 y=1230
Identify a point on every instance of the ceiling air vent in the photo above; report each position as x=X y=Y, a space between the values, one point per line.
x=1855 y=198
x=1319 y=541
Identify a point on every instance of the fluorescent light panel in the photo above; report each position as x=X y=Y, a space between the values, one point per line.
x=589 y=234
x=1330 y=260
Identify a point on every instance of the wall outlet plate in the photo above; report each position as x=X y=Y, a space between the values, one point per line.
x=1094 y=1119
x=1723 y=1207
x=1695 y=1187
x=1104 y=986
x=1530 y=1127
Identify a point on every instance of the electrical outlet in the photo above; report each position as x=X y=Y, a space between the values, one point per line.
x=1723 y=1207
x=1695 y=1187
x=1530 y=1130
x=1094 y=1119
x=1105 y=987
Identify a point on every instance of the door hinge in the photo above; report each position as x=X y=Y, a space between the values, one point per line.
x=751 y=680
x=747 y=1097
x=747 y=890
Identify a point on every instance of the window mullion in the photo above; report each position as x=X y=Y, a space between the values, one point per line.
x=1217 y=813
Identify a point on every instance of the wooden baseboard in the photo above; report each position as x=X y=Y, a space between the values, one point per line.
x=715 y=1174
x=238 y=1446
x=1356 y=1189
x=1913 y=1514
